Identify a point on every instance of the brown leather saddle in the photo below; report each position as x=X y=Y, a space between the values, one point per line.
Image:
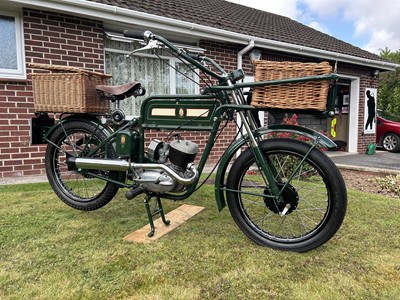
x=120 y=92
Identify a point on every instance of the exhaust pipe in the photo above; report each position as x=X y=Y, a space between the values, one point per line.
x=75 y=163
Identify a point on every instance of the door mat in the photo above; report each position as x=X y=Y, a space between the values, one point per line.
x=177 y=217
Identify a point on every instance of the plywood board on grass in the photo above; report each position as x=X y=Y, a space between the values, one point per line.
x=176 y=217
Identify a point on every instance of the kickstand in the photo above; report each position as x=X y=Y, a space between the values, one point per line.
x=158 y=209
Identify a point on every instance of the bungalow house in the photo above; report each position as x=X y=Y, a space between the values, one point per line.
x=87 y=34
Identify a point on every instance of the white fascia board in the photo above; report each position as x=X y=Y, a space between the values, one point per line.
x=108 y=13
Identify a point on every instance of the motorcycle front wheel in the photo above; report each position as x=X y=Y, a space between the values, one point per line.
x=312 y=206
x=79 y=190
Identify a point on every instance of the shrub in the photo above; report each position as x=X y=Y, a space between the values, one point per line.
x=287 y=135
x=291 y=163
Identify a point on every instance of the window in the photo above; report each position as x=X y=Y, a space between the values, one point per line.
x=155 y=75
x=12 y=62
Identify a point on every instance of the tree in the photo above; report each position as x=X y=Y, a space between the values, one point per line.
x=389 y=84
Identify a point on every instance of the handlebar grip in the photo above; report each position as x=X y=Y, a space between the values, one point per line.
x=134 y=34
x=195 y=56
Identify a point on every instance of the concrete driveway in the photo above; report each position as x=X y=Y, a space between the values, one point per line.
x=381 y=161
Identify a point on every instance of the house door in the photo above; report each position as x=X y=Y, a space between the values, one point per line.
x=338 y=127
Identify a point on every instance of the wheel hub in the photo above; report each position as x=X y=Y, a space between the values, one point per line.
x=290 y=199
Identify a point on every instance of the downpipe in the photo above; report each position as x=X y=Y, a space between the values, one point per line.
x=77 y=163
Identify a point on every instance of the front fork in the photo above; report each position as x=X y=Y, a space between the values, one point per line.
x=264 y=164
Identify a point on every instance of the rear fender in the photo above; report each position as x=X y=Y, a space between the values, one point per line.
x=317 y=137
x=90 y=119
x=79 y=117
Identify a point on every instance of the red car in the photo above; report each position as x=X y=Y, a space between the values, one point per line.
x=388 y=134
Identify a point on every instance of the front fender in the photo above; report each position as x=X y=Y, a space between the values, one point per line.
x=79 y=117
x=316 y=136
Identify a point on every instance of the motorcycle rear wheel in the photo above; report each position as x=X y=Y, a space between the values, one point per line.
x=314 y=201
x=79 y=190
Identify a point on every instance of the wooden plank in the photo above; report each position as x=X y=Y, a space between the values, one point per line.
x=177 y=217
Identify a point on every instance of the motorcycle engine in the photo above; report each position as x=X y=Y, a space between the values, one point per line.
x=179 y=153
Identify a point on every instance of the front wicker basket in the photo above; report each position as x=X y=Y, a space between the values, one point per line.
x=310 y=95
x=71 y=91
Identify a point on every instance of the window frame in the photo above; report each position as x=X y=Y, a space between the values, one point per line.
x=20 y=72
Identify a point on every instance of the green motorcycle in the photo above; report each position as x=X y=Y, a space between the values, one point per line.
x=282 y=192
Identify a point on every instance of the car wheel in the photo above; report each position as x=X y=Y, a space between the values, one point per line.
x=391 y=142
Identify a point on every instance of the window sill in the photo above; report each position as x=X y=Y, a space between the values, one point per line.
x=10 y=80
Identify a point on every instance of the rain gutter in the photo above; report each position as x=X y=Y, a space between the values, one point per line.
x=128 y=17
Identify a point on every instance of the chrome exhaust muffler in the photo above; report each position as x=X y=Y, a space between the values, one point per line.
x=76 y=163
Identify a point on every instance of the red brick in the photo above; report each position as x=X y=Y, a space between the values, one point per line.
x=14 y=137
x=8 y=128
x=28 y=149
x=37 y=154
x=40 y=168
x=33 y=161
x=53 y=25
x=25 y=127
x=17 y=122
x=59 y=51
x=40 y=61
x=23 y=168
x=32 y=172
x=69 y=58
x=4 y=157
x=28 y=32
x=52 y=56
x=28 y=115
x=19 y=155
x=39 y=37
x=7 y=93
x=25 y=93
x=74 y=43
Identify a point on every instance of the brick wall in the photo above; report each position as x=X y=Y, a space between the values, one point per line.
x=50 y=38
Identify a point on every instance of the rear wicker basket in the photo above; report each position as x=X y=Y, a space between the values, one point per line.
x=310 y=95
x=72 y=91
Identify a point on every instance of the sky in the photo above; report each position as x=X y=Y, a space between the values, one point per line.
x=369 y=24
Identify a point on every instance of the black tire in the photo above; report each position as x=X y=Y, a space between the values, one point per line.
x=316 y=196
x=391 y=142
x=79 y=191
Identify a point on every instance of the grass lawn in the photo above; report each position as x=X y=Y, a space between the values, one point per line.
x=51 y=251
